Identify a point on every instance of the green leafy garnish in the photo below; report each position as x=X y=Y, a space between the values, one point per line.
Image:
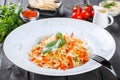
x=108 y=5
x=9 y=19
x=59 y=35
x=52 y=46
x=49 y=47
x=61 y=42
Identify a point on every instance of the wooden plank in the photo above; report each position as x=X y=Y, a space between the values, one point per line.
x=71 y=3
x=1 y=52
x=94 y=2
x=24 y=3
x=9 y=71
x=2 y=2
x=14 y=2
x=93 y=75
x=43 y=77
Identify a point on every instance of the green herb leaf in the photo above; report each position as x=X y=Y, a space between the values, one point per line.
x=49 y=47
x=47 y=50
x=113 y=4
x=59 y=35
x=52 y=46
x=108 y=5
x=62 y=42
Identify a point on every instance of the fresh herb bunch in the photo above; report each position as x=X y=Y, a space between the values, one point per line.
x=9 y=19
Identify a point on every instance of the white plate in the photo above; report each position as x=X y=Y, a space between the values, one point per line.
x=20 y=41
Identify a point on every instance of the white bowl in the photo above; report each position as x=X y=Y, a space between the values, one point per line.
x=21 y=40
x=112 y=12
x=30 y=19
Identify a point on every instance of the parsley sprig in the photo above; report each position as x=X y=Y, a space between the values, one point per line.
x=9 y=19
x=108 y=5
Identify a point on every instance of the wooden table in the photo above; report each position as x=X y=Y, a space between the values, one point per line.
x=8 y=71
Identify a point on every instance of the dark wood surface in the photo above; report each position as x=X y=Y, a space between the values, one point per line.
x=8 y=71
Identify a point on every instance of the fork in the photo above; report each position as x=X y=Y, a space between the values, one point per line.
x=105 y=63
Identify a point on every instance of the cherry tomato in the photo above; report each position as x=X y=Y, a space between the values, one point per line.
x=84 y=11
x=77 y=15
x=80 y=16
x=86 y=14
x=74 y=15
x=92 y=13
x=76 y=9
x=88 y=8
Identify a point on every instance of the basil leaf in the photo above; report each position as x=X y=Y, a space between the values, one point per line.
x=47 y=49
x=49 y=46
x=52 y=46
x=59 y=35
x=62 y=42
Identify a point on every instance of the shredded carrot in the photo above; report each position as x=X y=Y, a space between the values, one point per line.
x=70 y=62
x=39 y=64
x=32 y=59
x=62 y=66
x=71 y=46
x=44 y=59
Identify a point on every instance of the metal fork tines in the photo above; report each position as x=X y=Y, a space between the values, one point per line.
x=105 y=63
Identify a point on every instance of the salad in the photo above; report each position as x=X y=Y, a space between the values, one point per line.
x=59 y=52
